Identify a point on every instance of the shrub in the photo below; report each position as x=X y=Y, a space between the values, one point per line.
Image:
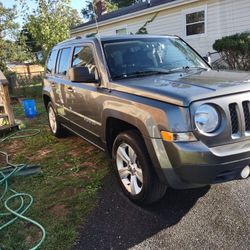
x=235 y=50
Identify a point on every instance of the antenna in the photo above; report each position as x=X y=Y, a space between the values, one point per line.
x=96 y=22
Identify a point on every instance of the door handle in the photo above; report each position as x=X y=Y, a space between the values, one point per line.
x=70 y=89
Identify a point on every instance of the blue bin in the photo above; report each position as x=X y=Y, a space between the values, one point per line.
x=30 y=108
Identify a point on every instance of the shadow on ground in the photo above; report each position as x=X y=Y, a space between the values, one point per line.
x=119 y=224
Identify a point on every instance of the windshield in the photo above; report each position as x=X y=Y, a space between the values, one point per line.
x=146 y=56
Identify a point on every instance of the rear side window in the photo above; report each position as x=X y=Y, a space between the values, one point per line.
x=51 y=61
x=83 y=57
x=64 y=61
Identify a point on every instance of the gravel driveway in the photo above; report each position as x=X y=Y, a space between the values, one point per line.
x=216 y=217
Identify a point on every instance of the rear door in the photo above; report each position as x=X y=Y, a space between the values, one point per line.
x=50 y=78
x=61 y=78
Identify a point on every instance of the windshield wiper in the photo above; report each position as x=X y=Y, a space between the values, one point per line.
x=195 y=67
x=146 y=73
x=156 y=72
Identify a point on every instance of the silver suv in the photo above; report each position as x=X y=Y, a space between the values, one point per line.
x=156 y=106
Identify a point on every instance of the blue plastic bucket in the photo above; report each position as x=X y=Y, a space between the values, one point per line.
x=30 y=108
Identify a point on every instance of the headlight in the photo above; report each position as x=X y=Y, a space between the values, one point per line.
x=206 y=119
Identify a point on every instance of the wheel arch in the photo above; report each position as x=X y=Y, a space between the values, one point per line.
x=116 y=123
x=46 y=100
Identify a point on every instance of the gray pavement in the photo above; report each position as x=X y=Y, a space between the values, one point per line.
x=216 y=217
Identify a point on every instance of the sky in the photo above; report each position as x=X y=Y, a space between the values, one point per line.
x=76 y=4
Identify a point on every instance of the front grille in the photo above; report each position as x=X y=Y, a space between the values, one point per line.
x=245 y=106
x=234 y=118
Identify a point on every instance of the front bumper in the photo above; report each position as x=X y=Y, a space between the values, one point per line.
x=196 y=164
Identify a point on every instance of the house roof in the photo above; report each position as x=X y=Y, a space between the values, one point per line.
x=126 y=10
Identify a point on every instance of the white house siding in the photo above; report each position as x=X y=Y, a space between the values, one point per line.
x=224 y=17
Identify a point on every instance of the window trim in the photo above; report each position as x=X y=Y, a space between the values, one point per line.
x=184 y=23
x=59 y=54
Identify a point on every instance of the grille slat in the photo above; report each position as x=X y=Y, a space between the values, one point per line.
x=234 y=118
x=245 y=106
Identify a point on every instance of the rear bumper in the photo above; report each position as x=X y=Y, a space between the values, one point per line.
x=193 y=164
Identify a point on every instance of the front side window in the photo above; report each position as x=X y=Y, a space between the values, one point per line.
x=51 y=61
x=64 y=61
x=138 y=57
x=83 y=57
x=195 y=23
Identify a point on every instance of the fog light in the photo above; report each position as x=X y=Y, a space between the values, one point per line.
x=245 y=172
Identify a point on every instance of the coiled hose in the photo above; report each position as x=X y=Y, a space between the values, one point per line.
x=17 y=213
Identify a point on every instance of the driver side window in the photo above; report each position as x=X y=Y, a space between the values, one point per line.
x=83 y=57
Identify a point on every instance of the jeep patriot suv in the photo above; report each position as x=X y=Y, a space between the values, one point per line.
x=165 y=117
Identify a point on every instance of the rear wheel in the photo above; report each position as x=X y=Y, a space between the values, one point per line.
x=134 y=170
x=55 y=126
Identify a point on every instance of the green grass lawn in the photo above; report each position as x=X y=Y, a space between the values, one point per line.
x=64 y=193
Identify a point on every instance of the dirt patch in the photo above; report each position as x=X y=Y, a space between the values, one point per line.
x=32 y=239
x=40 y=154
x=59 y=210
x=12 y=147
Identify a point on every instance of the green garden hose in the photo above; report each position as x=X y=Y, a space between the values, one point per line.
x=17 y=213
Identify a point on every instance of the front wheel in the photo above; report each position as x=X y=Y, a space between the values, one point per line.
x=134 y=170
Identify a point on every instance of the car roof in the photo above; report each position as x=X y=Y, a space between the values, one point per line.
x=78 y=39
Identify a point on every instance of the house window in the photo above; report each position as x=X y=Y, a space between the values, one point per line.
x=195 y=22
x=121 y=31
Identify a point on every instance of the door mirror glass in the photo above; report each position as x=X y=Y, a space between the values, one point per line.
x=81 y=74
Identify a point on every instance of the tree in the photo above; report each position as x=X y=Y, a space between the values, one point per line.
x=10 y=49
x=27 y=38
x=143 y=30
x=124 y=3
x=235 y=50
x=88 y=11
x=50 y=22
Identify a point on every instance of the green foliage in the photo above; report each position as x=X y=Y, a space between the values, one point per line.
x=10 y=49
x=143 y=29
x=88 y=11
x=50 y=22
x=235 y=50
x=7 y=24
x=29 y=41
x=124 y=3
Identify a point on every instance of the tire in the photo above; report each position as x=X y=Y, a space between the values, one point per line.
x=55 y=126
x=134 y=170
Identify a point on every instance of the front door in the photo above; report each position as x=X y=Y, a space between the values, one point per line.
x=82 y=103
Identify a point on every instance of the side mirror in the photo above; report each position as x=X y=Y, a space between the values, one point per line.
x=81 y=74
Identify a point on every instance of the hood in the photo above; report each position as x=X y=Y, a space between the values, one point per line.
x=183 y=88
